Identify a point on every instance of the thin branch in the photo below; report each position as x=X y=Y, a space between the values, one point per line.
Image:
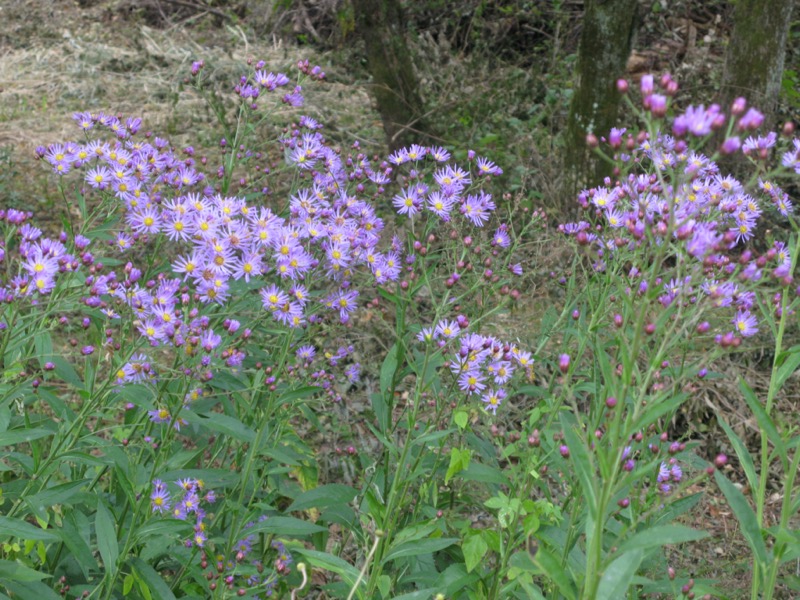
x=200 y=8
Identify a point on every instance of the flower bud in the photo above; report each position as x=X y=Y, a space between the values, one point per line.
x=738 y=107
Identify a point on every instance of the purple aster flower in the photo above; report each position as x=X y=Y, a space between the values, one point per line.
x=99 y=177
x=353 y=372
x=501 y=238
x=84 y=120
x=493 y=399
x=407 y=202
x=487 y=167
x=745 y=324
x=751 y=120
x=744 y=230
x=209 y=340
x=199 y=539
x=416 y=152
x=306 y=353
x=427 y=335
x=245 y=546
x=295 y=97
x=502 y=371
x=447 y=329
x=439 y=154
x=272 y=298
x=344 y=301
x=398 y=157
x=791 y=159
x=696 y=120
x=146 y=220
x=159 y=415
x=474 y=211
x=471 y=381
x=440 y=205
x=159 y=499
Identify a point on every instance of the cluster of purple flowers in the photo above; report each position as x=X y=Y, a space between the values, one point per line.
x=481 y=365
x=312 y=260
x=36 y=261
x=708 y=214
x=669 y=472
x=189 y=506
x=262 y=582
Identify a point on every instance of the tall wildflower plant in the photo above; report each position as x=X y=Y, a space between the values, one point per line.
x=177 y=360
x=168 y=354
x=676 y=274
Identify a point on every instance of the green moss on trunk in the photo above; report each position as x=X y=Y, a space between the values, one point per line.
x=756 y=53
x=606 y=39
x=394 y=85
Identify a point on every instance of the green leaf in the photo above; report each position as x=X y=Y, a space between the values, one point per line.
x=581 y=460
x=425 y=594
x=19 y=572
x=418 y=547
x=223 y=424
x=381 y=409
x=167 y=528
x=384 y=585
x=681 y=506
x=764 y=420
x=66 y=372
x=301 y=392
x=127 y=584
x=25 y=531
x=459 y=461
x=31 y=589
x=742 y=453
x=58 y=494
x=618 y=576
x=20 y=436
x=285 y=526
x=153 y=580
x=788 y=366
x=77 y=547
x=44 y=346
x=323 y=496
x=484 y=474
x=546 y=564
x=107 y=542
x=745 y=515
x=656 y=410
x=334 y=564
x=389 y=367
x=460 y=418
x=661 y=536
x=474 y=549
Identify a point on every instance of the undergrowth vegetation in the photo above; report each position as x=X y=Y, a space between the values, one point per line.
x=244 y=354
x=176 y=354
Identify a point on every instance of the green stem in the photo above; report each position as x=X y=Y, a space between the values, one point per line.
x=759 y=571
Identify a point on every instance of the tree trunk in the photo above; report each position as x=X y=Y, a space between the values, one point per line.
x=394 y=85
x=606 y=40
x=756 y=52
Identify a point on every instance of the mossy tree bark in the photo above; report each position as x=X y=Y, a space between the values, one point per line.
x=756 y=53
x=380 y=24
x=606 y=40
